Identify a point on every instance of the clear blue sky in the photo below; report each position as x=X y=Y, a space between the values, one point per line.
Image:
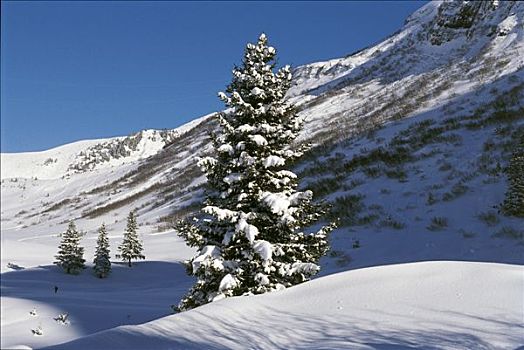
x=84 y=70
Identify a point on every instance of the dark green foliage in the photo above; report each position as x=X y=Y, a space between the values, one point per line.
x=397 y=173
x=457 y=190
x=390 y=156
x=390 y=222
x=372 y=171
x=438 y=223
x=508 y=232
x=514 y=201
x=445 y=167
x=58 y=205
x=467 y=234
x=463 y=19
x=131 y=246
x=422 y=134
x=504 y=109
x=490 y=218
x=367 y=219
x=249 y=235
x=431 y=199
x=346 y=209
x=325 y=186
x=70 y=255
x=341 y=258
x=170 y=221
x=102 y=263
x=93 y=213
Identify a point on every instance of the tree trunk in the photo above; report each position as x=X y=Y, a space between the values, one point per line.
x=129 y=263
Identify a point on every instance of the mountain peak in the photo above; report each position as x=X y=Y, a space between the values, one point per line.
x=129 y=148
x=454 y=19
x=438 y=35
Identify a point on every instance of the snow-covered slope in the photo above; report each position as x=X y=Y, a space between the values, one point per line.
x=424 y=65
x=444 y=52
x=413 y=137
x=434 y=305
x=50 y=164
x=90 y=155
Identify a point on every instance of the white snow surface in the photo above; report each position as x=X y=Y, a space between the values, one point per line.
x=55 y=163
x=209 y=251
x=264 y=249
x=426 y=305
x=277 y=202
x=31 y=164
x=250 y=231
x=259 y=139
x=272 y=161
x=228 y=282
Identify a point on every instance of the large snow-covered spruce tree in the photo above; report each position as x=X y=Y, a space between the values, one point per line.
x=131 y=246
x=250 y=237
x=70 y=255
x=102 y=263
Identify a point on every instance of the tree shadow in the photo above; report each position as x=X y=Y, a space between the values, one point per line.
x=234 y=327
x=128 y=296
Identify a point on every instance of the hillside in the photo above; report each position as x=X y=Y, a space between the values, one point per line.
x=434 y=305
x=411 y=138
x=338 y=99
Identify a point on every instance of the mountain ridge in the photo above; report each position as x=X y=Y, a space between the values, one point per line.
x=353 y=101
x=411 y=145
x=427 y=19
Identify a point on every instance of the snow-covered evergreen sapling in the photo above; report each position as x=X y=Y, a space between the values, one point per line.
x=70 y=255
x=251 y=237
x=102 y=263
x=131 y=247
x=38 y=330
x=62 y=318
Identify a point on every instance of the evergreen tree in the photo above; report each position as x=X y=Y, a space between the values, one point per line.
x=70 y=254
x=250 y=238
x=131 y=247
x=102 y=263
x=514 y=202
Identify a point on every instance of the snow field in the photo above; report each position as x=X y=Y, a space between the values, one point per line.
x=430 y=305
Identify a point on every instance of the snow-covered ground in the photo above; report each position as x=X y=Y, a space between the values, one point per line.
x=440 y=205
x=430 y=305
x=128 y=296
x=449 y=305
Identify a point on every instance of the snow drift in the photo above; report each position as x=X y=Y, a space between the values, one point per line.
x=427 y=305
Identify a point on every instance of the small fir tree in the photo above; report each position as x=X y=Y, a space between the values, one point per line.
x=514 y=201
x=70 y=254
x=102 y=263
x=251 y=238
x=131 y=247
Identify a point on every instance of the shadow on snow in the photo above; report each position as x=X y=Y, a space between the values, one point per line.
x=127 y=296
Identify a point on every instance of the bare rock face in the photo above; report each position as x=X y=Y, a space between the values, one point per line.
x=467 y=18
x=446 y=50
x=121 y=147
